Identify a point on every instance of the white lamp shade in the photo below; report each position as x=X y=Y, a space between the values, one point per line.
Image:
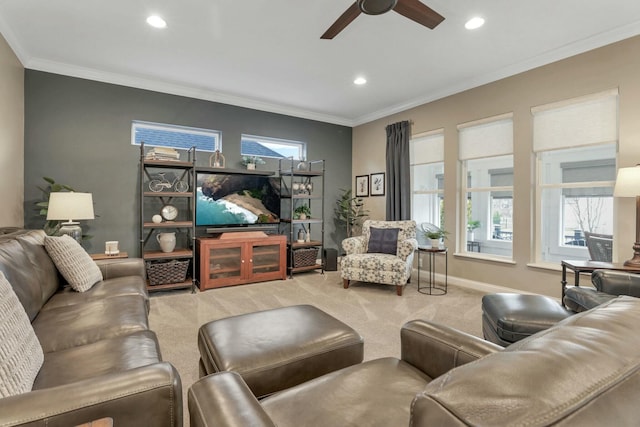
x=70 y=206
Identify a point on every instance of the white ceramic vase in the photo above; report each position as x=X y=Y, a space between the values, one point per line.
x=435 y=243
x=167 y=241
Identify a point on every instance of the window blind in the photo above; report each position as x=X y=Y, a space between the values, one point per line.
x=486 y=138
x=427 y=148
x=587 y=120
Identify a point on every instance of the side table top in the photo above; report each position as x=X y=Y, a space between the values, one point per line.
x=106 y=256
x=432 y=249
x=581 y=265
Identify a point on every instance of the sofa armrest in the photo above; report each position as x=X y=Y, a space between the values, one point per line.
x=406 y=248
x=149 y=395
x=120 y=267
x=224 y=400
x=354 y=245
x=435 y=349
x=616 y=282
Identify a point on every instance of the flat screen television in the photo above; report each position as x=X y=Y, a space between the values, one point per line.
x=227 y=201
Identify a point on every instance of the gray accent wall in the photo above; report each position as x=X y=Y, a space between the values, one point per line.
x=78 y=132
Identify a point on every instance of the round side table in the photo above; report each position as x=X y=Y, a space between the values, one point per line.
x=433 y=288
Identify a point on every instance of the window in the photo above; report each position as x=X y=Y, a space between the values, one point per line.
x=427 y=178
x=486 y=148
x=174 y=136
x=575 y=143
x=263 y=146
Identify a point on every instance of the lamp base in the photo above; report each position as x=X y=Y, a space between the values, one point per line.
x=71 y=229
x=635 y=261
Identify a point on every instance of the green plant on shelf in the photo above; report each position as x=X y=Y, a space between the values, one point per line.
x=302 y=212
x=246 y=160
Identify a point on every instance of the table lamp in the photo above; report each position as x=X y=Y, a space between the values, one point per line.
x=628 y=185
x=70 y=206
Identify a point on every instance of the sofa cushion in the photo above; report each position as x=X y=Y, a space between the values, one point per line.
x=377 y=393
x=383 y=240
x=73 y=262
x=20 y=353
x=16 y=266
x=43 y=270
x=80 y=324
x=99 y=358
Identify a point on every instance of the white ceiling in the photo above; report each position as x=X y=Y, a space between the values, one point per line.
x=268 y=55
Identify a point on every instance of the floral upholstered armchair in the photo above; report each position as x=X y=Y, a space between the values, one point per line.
x=383 y=254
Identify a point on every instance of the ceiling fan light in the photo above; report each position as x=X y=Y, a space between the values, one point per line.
x=376 y=7
x=473 y=23
x=156 y=22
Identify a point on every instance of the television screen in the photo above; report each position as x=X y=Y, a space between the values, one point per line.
x=225 y=200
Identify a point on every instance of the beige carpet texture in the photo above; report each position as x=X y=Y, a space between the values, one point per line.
x=375 y=311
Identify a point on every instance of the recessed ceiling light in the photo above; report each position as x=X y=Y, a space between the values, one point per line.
x=156 y=21
x=360 y=80
x=473 y=23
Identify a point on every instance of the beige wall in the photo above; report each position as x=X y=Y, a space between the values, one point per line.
x=614 y=66
x=11 y=138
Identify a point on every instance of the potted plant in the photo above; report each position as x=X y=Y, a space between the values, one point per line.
x=251 y=161
x=435 y=235
x=302 y=212
x=349 y=212
x=472 y=225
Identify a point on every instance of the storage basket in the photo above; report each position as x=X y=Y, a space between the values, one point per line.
x=304 y=257
x=163 y=273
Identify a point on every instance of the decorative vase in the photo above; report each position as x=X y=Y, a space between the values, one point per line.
x=435 y=243
x=470 y=236
x=167 y=241
x=300 y=236
x=251 y=166
x=303 y=216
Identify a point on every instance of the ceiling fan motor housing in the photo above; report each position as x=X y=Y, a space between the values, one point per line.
x=376 y=7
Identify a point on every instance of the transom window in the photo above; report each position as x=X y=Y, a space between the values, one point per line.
x=175 y=136
x=263 y=146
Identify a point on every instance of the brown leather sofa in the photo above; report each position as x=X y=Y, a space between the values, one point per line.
x=100 y=358
x=584 y=371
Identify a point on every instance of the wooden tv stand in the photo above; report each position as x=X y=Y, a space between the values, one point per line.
x=238 y=258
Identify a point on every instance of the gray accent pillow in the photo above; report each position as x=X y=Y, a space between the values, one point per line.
x=73 y=262
x=383 y=240
x=21 y=355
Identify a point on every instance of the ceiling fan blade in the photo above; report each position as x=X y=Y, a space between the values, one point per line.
x=419 y=12
x=345 y=19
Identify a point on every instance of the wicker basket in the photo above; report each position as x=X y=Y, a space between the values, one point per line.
x=304 y=257
x=162 y=273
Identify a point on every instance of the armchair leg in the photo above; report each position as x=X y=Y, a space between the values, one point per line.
x=399 y=290
x=345 y=283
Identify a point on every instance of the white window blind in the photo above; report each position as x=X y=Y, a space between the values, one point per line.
x=587 y=120
x=486 y=138
x=427 y=148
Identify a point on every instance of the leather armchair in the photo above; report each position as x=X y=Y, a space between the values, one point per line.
x=608 y=284
x=389 y=269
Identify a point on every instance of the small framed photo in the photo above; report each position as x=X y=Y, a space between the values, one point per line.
x=362 y=186
x=377 y=184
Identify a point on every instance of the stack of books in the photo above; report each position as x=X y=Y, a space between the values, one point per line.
x=162 y=153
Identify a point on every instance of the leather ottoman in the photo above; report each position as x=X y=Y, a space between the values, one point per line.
x=276 y=349
x=507 y=318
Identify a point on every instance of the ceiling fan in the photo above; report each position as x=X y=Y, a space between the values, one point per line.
x=412 y=9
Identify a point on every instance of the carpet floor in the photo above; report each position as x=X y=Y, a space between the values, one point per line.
x=375 y=311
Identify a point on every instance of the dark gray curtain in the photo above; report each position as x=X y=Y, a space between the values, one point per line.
x=398 y=172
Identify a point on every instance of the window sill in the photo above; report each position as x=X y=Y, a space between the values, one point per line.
x=484 y=257
x=545 y=266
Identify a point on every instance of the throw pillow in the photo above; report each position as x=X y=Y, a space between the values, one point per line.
x=21 y=355
x=73 y=262
x=383 y=240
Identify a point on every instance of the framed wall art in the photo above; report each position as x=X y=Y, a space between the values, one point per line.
x=362 y=186
x=377 y=184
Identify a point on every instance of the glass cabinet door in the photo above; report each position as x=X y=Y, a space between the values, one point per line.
x=266 y=259
x=225 y=262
